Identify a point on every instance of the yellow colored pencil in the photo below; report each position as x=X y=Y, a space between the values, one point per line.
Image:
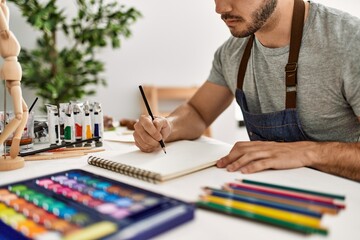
x=265 y=211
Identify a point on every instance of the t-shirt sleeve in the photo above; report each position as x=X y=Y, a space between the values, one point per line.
x=351 y=73
x=217 y=74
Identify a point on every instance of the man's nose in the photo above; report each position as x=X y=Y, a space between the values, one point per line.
x=222 y=6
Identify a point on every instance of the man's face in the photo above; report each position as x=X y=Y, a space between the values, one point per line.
x=245 y=17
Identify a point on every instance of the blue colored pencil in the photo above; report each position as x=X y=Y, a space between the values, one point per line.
x=286 y=197
x=257 y=201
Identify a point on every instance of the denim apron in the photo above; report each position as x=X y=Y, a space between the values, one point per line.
x=281 y=126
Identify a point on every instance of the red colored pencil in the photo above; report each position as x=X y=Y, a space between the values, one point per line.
x=288 y=194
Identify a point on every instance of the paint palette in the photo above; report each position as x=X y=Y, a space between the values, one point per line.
x=76 y=204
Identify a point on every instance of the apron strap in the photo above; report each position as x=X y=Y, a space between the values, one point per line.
x=244 y=62
x=291 y=68
x=297 y=26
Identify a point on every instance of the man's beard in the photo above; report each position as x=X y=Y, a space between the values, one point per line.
x=259 y=17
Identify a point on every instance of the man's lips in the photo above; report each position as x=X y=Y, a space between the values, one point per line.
x=231 y=21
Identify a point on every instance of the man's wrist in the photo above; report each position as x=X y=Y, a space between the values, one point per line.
x=318 y=154
x=171 y=137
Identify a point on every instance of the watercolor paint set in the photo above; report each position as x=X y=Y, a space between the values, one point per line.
x=77 y=204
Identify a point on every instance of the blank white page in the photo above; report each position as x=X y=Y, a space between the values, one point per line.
x=182 y=157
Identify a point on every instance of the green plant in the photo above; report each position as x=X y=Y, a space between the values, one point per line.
x=60 y=75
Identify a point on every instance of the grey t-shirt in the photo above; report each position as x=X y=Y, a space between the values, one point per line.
x=328 y=90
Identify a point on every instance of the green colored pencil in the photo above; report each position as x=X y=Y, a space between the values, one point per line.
x=341 y=197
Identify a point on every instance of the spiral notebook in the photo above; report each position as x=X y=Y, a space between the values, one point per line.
x=182 y=158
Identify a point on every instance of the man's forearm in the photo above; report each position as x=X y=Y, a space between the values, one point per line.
x=186 y=123
x=342 y=159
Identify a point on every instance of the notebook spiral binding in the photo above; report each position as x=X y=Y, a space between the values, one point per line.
x=125 y=169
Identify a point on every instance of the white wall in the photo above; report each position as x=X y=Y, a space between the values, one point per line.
x=350 y=6
x=173 y=44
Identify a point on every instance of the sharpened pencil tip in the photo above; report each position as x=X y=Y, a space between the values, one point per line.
x=164 y=150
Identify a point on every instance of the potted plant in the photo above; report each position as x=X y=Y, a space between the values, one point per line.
x=62 y=74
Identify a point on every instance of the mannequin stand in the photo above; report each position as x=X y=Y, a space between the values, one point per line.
x=8 y=163
x=11 y=73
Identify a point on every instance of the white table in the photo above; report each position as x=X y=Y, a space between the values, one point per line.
x=209 y=225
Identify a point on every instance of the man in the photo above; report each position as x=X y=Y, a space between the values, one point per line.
x=293 y=68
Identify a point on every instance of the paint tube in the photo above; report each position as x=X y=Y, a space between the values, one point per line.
x=98 y=124
x=53 y=124
x=86 y=126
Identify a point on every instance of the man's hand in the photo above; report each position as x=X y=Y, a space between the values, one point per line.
x=148 y=133
x=255 y=156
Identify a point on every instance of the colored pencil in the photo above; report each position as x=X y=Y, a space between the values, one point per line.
x=265 y=211
x=257 y=201
x=288 y=193
x=310 y=201
x=261 y=218
x=328 y=195
x=318 y=207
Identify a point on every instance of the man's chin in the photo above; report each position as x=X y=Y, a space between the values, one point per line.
x=238 y=34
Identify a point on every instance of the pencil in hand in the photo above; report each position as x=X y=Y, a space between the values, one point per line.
x=162 y=144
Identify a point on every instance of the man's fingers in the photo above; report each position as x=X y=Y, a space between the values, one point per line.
x=144 y=145
x=234 y=163
x=241 y=154
x=153 y=128
x=143 y=139
x=257 y=166
x=148 y=133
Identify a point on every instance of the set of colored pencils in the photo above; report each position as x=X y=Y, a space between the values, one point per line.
x=295 y=209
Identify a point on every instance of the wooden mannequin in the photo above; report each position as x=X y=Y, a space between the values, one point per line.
x=11 y=72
